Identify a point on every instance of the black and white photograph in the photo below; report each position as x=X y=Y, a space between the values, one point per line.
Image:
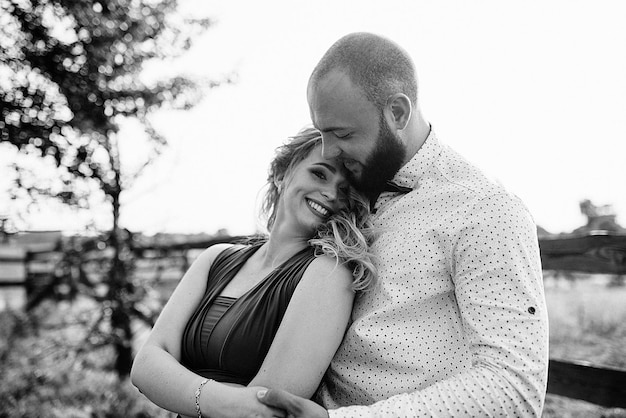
x=328 y=209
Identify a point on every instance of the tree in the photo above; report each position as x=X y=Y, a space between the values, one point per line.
x=69 y=75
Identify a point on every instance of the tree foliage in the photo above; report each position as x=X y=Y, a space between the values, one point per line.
x=69 y=75
x=70 y=72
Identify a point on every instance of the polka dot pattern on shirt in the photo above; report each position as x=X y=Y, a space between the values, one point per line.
x=448 y=327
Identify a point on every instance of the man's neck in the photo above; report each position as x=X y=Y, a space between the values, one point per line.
x=417 y=135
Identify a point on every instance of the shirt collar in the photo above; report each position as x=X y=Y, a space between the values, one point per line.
x=411 y=172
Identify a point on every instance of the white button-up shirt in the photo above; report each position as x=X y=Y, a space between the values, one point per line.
x=457 y=324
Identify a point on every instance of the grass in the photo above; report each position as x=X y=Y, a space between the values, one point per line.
x=44 y=373
x=587 y=318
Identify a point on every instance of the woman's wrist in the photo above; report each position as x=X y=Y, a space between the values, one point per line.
x=220 y=400
x=200 y=405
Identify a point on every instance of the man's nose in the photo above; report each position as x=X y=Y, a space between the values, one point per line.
x=330 y=149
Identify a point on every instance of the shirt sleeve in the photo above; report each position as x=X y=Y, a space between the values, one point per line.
x=496 y=271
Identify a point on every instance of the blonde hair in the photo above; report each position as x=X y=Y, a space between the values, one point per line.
x=347 y=234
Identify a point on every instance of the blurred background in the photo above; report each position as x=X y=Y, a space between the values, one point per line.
x=134 y=133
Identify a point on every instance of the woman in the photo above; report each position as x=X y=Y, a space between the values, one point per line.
x=270 y=314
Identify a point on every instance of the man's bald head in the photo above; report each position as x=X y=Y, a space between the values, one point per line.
x=373 y=63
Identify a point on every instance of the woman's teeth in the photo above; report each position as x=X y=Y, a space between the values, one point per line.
x=318 y=208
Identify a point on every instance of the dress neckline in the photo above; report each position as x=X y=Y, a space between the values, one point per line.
x=248 y=253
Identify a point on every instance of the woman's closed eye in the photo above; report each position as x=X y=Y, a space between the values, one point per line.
x=319 y=174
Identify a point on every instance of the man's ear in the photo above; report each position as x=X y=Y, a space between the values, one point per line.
x=401 y=108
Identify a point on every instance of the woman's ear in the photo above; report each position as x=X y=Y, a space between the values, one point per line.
x=401 y=108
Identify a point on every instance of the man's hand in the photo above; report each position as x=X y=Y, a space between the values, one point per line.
x=295 y=406
x=237 y=402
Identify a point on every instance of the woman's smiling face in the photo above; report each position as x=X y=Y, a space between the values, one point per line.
x=315 y=189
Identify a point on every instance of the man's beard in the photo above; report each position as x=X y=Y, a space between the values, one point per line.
x=383 y=163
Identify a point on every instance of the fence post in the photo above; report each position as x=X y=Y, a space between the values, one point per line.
x=12 y=277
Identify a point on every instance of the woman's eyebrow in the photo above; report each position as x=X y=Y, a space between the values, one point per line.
x=328 y=166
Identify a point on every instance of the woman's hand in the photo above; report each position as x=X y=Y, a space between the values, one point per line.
x=236 y=402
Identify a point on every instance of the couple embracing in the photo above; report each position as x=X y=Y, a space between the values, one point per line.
x=396 y=280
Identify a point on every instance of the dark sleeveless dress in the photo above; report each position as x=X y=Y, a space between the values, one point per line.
x=226 y=339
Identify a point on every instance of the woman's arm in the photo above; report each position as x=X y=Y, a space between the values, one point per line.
x=157 y=371
x=311 y=330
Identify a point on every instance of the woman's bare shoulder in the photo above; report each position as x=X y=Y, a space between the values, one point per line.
x=327 y=268
x=210 y=253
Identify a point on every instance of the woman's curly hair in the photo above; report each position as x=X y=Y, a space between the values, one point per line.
x=347 y=234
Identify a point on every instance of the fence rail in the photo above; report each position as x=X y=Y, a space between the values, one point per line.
x=577 y=380
x=596 y=252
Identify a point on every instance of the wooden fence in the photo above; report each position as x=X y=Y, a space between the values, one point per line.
x=596 y=252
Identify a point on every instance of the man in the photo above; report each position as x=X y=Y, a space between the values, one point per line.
x=457 y=324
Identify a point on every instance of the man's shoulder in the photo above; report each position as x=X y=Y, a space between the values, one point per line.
x=458 y=171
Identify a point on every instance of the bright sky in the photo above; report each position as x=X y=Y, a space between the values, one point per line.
x=533 y=92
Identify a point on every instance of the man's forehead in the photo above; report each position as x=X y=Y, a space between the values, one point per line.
x=334 y=78
x=338 y=106
x=330 y=83
x=328 y=117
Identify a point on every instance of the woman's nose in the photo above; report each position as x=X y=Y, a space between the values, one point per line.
x=331 y=192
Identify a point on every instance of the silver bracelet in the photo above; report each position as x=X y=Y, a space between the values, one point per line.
x=198 y=392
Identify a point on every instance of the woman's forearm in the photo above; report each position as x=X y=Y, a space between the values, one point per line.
x=163 y=380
